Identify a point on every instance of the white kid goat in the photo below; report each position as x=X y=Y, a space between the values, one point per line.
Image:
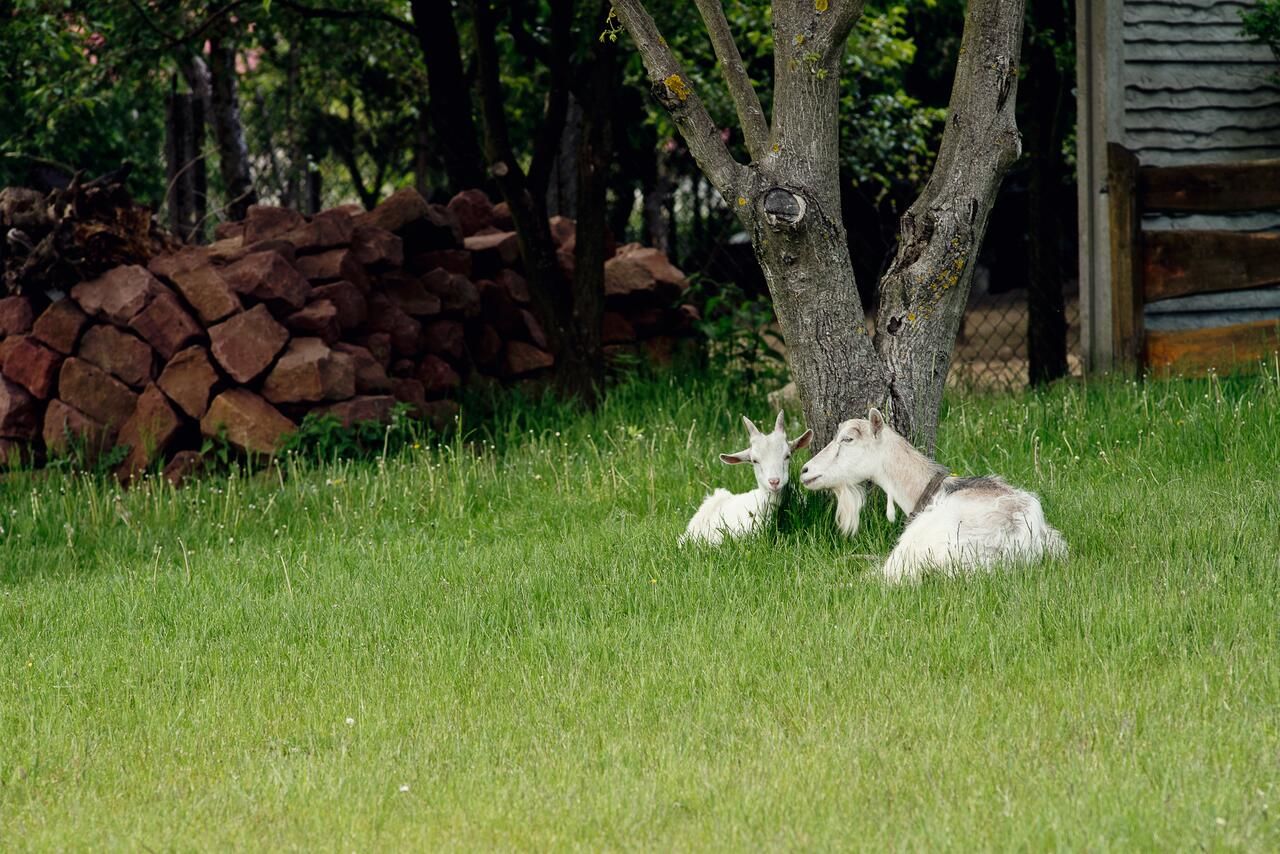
x=956 y=524
x=724 y=514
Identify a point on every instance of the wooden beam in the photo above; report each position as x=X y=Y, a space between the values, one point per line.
x=1126 y=244
x=1211 y=187
x=1178 y=263
x=1223 y=348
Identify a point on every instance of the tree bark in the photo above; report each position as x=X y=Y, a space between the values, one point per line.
x=924 y=291
x=566 y=308
x=789 y=202
x=228 y=130
x=1044 y=110
x=448 y=94
x=184 y=165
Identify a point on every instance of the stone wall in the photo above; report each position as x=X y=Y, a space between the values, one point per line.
x=347 y=313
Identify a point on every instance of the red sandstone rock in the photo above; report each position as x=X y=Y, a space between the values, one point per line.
x=398 y=210
x=248 y=422
x=95 y=393
x=410 y=391
x=371 y=377
x=440 y=414
x=224 y=230
x=332 y=266
x=31 y=365
x=361 y=409
x=185 y=464
x=16 y=316
x=246 y=344
x=521 y=358
x=19 y=414
x=502 y=220
x=66 y=427
x=185 y=259
x=148 y=432
x=386 y=316
x=444 y=338
x=118 y=353
x=492 y=252
x=377 y=248
x=616 y=329
x=379 y=345
x=410 y=294
x=451 y=260
x=456 y=293
x=352 y=307
x=564 y=232
x=119 y=294
x=60 y=326
x=309 y=371
x=533 y=329
x=326 y=230
x=514 y=284
x=166 y=325
x=473 y=210
x=268 y=276
x=227 y=251
x=499 y=309
x=667 y=278
x=438 y=376
x=207 y=292
x=318 y=319
x=264 y=222
x=188 y=379
x=486 y=345
x=623 y=277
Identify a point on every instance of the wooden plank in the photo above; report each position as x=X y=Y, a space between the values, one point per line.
x=1126 y=244
x=1178 y=263
x=1222 y=348
x=1211 y=187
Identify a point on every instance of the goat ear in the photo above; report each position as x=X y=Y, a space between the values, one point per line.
x=752 y=429
x=736 y=459
x=877 y=421
x=780 y=426
x=802 y=441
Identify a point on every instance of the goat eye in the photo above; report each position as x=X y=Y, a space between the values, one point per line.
x=847 y=439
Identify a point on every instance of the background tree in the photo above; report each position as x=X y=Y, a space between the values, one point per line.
x=788 y=199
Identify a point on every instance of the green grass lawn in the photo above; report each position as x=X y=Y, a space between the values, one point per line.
x=502 y=647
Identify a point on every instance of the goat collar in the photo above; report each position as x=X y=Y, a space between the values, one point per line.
x=925 y=497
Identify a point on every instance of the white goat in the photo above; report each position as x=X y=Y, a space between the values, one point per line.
x=724 y=514
x=956 y=524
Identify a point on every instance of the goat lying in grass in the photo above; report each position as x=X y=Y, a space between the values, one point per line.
x=724 y=514
x=957 y=524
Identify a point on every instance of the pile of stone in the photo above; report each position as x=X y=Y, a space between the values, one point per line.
x=348 y=313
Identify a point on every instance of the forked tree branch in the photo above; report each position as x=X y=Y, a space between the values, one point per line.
x=670 y=85
x=755 y=128
x=837 y=23
x=923 y=293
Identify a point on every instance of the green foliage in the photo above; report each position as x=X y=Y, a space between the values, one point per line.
x=740 y=332
x=497 y=644
x=78 y=457
x=74 y=90
x=1262 y=22
x=323 y=438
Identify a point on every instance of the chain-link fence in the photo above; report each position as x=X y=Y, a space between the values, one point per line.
x=992 y=351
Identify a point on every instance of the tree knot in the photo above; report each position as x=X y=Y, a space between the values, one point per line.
x=783 y=207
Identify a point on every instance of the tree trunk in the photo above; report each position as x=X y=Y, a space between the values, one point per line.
x=1044 y=110
x=448 y=94
x=562 y=186
x=228 y=130
x=789 y=201
x=184 y=165
x=924 y=292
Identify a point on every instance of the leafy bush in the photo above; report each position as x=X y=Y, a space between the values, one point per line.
x=322 y=438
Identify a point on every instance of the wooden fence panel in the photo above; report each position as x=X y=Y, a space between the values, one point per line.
x=1179 y=263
